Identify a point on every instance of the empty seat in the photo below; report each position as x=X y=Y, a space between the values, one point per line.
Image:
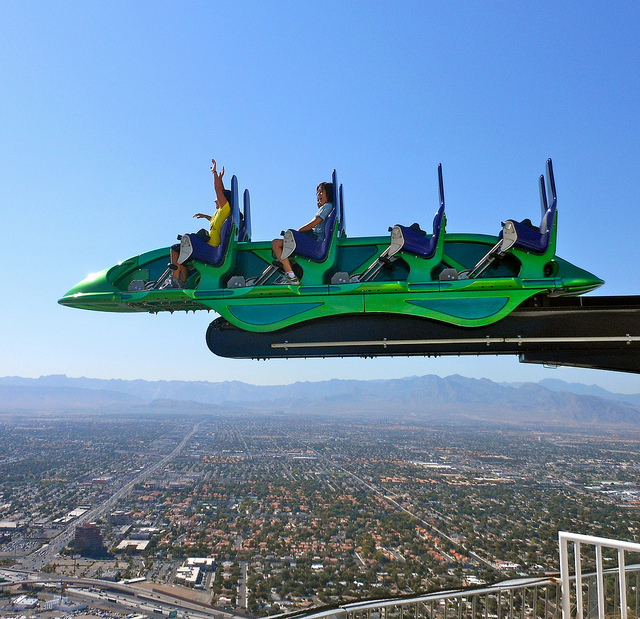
x=417 y=242
x=524 y=234
x=413 y=242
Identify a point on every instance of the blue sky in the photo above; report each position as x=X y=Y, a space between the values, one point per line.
x=111 y=111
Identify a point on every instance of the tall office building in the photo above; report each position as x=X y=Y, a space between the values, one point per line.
x=88 y=540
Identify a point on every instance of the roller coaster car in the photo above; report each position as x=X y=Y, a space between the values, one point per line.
x=453 y=286
x=461 y=279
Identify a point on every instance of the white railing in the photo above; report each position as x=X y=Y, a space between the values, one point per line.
x=525 y=598
x=598 y=543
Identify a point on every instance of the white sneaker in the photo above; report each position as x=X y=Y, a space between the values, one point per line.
x=287 y=280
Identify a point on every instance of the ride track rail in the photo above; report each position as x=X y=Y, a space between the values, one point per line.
x=592 y=332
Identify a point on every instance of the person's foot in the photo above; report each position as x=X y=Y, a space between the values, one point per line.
x=287 y=280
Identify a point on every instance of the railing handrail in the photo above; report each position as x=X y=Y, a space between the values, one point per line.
x=602 y=541
x=521 y=583
x=564 y=538
x=564 y=579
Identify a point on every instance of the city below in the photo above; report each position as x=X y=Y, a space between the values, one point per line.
x=253 y=511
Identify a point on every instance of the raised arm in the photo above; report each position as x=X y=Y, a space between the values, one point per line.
x=218 y=185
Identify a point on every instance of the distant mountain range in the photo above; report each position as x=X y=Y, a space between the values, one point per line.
x=454 y=399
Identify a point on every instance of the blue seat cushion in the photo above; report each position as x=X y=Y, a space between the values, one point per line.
x=419 y=244
x=202 y=251
x=530 y=238
x=308 y=247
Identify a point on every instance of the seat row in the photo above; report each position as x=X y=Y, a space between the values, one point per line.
x=411 y=241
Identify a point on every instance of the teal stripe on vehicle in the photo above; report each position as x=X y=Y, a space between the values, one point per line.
x=270 y=314
x=464 y=308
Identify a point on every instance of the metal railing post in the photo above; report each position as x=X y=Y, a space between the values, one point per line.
x=600 y=581
x=578 y=568
x=623 y=584
x=564 y=575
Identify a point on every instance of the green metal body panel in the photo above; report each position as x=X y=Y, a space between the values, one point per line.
x=411 y=285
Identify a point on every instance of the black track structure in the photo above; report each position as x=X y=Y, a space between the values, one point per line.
x=589 y=332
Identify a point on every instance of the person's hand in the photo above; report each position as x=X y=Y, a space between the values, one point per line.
x=214 y=170
x=200 y=216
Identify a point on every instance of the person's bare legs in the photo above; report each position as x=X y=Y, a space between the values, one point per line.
x=276 y=246
x=182 y=272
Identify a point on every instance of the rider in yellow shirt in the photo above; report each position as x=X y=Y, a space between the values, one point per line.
x=223 y=210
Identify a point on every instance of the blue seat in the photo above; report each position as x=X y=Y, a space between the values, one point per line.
x=244 y=234
x=415 y=241
x=524 y=234
x=306 y=246
x=342 y=232
x=530 y=237
x=192 y=247
x=419 y=243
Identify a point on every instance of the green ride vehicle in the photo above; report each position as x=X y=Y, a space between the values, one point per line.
x=431 y=292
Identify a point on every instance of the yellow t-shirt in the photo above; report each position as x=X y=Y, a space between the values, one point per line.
x=215 y=224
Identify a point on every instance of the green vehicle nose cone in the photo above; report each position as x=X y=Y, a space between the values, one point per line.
x=94 y=292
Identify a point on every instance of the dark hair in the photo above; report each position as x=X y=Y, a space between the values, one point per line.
x=227 y=195
x=328 y=189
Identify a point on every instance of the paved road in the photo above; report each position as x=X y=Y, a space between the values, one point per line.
x=243 y=590
x=36 y=560
x=124 y=595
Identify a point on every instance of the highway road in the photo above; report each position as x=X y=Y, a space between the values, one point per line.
x=38 y=559
x=129 y=596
